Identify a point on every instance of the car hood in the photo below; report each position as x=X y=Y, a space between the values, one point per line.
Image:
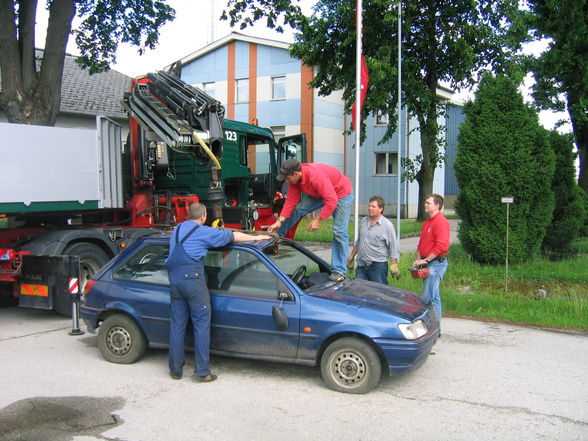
x=363 y=293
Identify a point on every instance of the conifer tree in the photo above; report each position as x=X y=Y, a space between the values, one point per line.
x=503 y=152
x=569 y=211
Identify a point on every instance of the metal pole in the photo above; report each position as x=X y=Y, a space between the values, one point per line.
x=506 y=257
x=74 y=290
x=357 y=116
x=399 y=124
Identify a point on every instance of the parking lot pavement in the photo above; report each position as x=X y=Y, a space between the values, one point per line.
x=485 y=381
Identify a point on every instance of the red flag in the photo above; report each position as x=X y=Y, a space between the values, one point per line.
x=364 y=82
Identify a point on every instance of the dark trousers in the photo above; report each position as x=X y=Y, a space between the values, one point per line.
x=189 y=299
x=374 y=272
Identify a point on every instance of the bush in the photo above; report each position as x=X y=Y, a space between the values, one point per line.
x=502 y=151
x=569 y=212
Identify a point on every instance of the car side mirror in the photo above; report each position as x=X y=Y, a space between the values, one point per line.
x=280 y=318
x=284 y=294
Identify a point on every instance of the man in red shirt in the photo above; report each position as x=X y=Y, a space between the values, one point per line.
x=312 y=187
x=432 y=249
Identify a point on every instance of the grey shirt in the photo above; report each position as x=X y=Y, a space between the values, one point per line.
x=377 y=242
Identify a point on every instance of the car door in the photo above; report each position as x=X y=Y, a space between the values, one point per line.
x=245 y=296
x=142 y=284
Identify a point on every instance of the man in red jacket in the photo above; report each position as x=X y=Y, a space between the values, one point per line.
x=432 y=249
x=312 y=187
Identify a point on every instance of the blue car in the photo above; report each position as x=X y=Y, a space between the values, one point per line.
x=271 y=300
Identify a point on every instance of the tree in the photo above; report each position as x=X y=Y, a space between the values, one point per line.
x=31 y=88
x=442 y=41
x=569 y=212
x=503 y=152
x=561 y=72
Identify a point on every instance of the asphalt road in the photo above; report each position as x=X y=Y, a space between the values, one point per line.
x=485 y=381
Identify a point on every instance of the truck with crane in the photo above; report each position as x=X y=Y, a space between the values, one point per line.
x=85 y=193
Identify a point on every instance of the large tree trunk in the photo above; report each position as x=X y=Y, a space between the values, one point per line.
x=30 y=95
x=429 y=130
x=579 y=120
x=426 y=173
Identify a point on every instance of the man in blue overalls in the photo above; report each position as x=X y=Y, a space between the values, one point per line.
x=189 y=297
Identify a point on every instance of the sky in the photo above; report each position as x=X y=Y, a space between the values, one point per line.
x=197 y=24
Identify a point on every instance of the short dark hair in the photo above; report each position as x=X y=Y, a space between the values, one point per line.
x=379 y=200
x=437 y=199
x=196 y=211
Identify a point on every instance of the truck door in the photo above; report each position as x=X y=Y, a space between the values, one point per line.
x=292 y=147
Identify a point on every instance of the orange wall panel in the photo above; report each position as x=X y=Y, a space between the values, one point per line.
x=307 y=109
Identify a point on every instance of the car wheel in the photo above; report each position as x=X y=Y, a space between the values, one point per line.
x=121 y=340
x=351 y=365
x=92 y=258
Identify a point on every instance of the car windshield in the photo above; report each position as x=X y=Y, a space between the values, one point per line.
x=291 y=259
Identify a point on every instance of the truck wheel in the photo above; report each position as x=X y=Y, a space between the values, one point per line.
x=92 y=258
x=121 y=340
x=350 y=365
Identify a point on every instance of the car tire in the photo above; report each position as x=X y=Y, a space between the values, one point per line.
x=121 y=340
x=351 y=365
x=92 y=258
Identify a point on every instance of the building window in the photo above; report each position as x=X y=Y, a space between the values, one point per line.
x=279 y=88
x=242 y=86
x=209 y=88
x=386 y=163
x=382 y=118
x=279 y=132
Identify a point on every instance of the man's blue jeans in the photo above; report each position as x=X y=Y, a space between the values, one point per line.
x=341 y=215
x=374 y=272
x=432 y=284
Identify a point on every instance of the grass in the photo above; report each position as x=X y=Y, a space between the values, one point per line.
x=540 y=292
x=325 y=232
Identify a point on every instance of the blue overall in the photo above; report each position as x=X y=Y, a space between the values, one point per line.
x=189 y=298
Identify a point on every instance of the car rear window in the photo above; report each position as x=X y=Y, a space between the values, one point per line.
x=146 y=265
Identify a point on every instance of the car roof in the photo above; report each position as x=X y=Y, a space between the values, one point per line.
x=164 y=236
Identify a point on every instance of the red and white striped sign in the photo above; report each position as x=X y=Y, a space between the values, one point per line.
x=74 y=285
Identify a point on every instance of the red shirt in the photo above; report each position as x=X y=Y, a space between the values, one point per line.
x=320 y=181
x=434 y=236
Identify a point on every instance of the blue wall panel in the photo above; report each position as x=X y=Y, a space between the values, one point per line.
x=370 y=185
x=275 y=61
x=242 y=112
x=334 y=159
x=241 y=59
x=328 y=114
x=279 y=113
x=210 y=67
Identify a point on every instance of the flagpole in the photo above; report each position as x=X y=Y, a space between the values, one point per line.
x=359 y=11
x=399 y=125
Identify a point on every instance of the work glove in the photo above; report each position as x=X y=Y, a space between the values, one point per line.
x=394 y=270
x=351 y=265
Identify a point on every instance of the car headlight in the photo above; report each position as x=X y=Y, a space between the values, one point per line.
x=412 y=331
x=255 y=215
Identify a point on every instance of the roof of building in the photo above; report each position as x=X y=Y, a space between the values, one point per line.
x=97 y=94
x=233 y=36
